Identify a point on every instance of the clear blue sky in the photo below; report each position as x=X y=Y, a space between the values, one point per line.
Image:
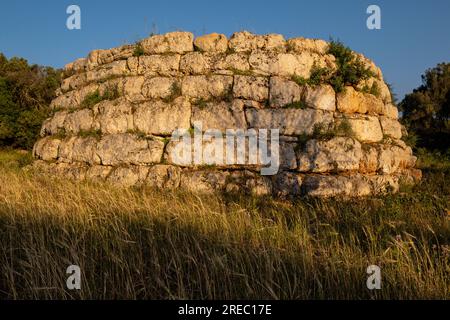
x=415 y=35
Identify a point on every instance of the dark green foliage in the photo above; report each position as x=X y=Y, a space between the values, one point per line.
x=241 y=72
x=201 y=103
x=295 y=105
x=138 y=50
x=25 y=95
x=111 y=93
x=373 y=89
x=426 y=111
x=97 y=134
x=428 y=106
x=301 y=81
x=321 y=132
x=350 y=69
x=319 y=75
x=91 y=99
x=344 y=129
x=175 y=92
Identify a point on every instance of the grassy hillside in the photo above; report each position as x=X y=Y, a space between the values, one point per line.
x=143 y=243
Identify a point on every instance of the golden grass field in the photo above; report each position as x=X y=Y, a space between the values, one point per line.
x=140 y=243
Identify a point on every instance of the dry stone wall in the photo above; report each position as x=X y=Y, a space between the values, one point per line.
x=116 y=111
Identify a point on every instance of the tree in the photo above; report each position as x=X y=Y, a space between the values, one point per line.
x=25 y=95
x=428 y=106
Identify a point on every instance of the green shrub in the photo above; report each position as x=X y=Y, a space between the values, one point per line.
x=138 y=50
x=301 y=81
x=373 y=89
x=201 y=103
x=350 y=69
x=97 y=134
x=295 y=105
x=318 y=75
x=91 y=99
x=175 y=92
x=111 y=93
x=344 y=129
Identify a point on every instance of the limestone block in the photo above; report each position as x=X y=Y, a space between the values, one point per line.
x=284 y=92
x=288 y=121
x=119 y=149
x=334 y=155
x=160 y=118
x=207 y=87
x=320 y=97
x=251 y=88
x=220 y=115
x=391 y=127
x=213 y=42
x=175 y=42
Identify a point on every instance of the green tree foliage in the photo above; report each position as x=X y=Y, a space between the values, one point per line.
x=25 y=95
x=426 y=111
x=428 y=106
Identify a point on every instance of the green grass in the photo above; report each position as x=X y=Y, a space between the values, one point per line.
x=143 y=243
x=295 y=105
x=111 y=93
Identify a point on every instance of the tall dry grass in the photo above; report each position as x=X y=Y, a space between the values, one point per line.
x=147 y=244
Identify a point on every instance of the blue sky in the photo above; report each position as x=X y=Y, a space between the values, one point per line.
x=415 y=35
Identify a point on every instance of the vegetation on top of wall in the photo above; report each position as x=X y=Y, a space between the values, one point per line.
x=350 y=71
x=373 y=89
x=318 y=75
x=350 y=68
x=138 y=50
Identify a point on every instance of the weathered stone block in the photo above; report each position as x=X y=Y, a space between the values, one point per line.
x=320 y=97
x=284 y=92
x=113 y=117
x=195 y=63
x=207 y=87
x=164 y=176
x=46 y=149
x=288 y=121
x=251 y=88
x=160 y=118
x=213 y=42
x=175 y=42
x=80 y=120
x=162 y=65
x=365 y=128
x=334 y=155
x=220 y=115
x=119 y=149
x=391 y=127
x=160 y=87
x=246 y=41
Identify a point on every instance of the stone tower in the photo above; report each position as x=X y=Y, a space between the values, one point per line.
x=117 y=110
